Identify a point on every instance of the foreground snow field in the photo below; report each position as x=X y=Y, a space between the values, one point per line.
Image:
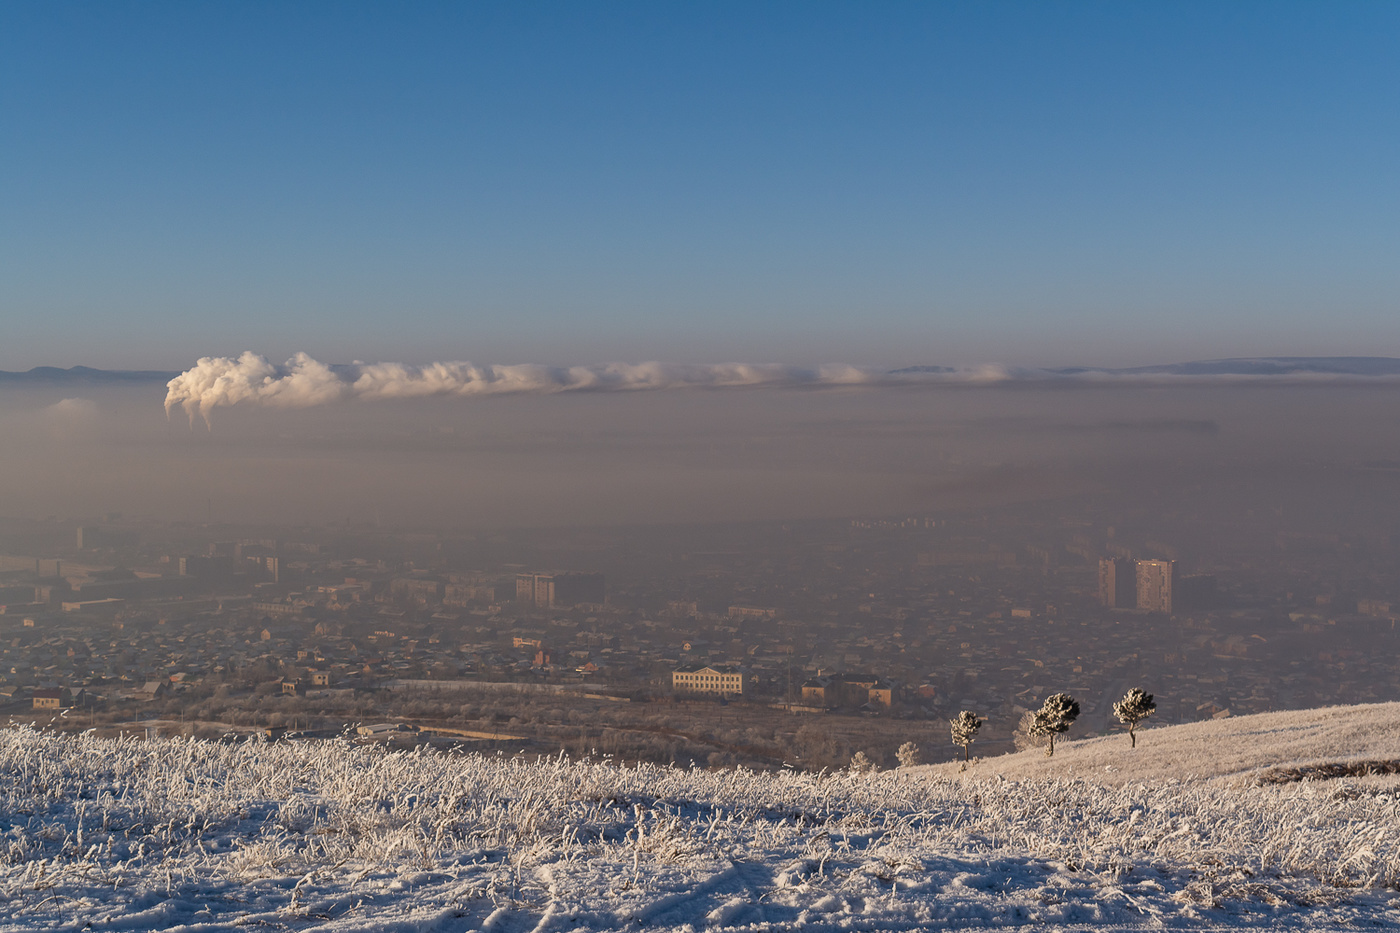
x=129 y=834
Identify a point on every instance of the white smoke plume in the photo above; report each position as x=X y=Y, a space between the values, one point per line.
x=301 y=382
x=217 y=381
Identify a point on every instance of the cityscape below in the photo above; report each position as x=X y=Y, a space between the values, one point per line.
x=768 y=644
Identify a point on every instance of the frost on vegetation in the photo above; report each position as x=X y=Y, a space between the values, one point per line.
x=908 y=755
x=964 y=730
x=1136 y=705
x=327 y=835
x=1056 y=715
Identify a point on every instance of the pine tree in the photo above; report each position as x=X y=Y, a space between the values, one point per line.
x=1055 y=717
x=965 y=730
x=908 y=755
x=1135 y=706
x=860 y=764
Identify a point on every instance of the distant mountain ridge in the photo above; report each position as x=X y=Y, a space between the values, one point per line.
x=1344 y=366
x=1259 y=366
x=53 y=375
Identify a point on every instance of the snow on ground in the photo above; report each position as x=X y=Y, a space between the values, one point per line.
x=172 y=834
x=1232 y=750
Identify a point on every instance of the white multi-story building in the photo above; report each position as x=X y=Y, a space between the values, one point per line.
x=722 y=681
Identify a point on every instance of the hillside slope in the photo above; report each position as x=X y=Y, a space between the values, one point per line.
x=1232 y=750
x=130 y=834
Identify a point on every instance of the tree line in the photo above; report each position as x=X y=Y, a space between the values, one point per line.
x=1055 y=716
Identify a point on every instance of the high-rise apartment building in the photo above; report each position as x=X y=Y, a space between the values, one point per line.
x=548 y=590
x=1117 y=583
x=1154 y=585
x=1136 y=584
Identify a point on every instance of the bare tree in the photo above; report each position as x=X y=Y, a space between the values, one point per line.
x=1054 y=717
x=965 y=730
x=1135 y=706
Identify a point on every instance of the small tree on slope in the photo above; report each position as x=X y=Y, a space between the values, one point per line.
x=1054 y=717
x=908 y=755
x=1135 y=706
x=965 y=730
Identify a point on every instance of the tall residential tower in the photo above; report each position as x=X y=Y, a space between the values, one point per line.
x=1136 y=584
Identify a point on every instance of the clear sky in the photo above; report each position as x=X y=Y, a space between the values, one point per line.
x=1028 y=183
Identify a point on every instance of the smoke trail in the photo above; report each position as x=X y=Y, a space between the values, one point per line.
x=301 y=382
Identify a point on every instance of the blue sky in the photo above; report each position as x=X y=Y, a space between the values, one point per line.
x=1028 y=183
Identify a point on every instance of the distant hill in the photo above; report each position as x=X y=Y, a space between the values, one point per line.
x=1283 y=366
x=1311 y=367
x=1264 y=366
x=53 y=375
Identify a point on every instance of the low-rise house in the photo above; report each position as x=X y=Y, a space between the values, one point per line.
x=382 y=729
x=49 y=697
x=847 y=690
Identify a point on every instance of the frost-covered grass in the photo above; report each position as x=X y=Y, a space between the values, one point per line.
x=181 y=834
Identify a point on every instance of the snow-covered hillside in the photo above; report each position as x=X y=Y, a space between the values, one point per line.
x=176 y=834
x=1231 y=750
